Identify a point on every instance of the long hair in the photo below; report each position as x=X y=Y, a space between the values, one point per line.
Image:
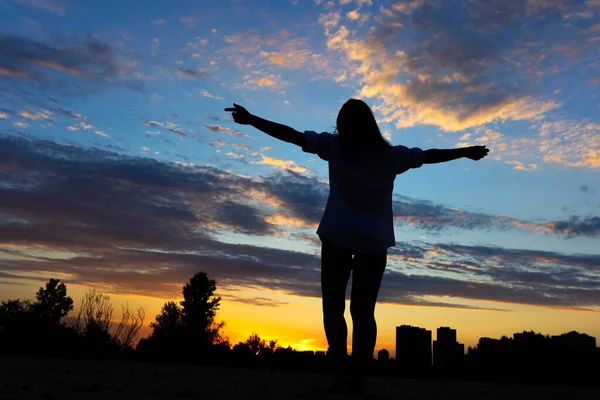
x=356 y=128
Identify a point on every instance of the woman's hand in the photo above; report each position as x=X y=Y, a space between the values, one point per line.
x=239 y=114
x=476 y=152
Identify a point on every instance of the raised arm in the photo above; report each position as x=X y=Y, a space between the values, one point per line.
x=433 y=156
x=278 y=131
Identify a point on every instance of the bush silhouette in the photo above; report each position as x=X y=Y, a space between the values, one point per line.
x=36 y=327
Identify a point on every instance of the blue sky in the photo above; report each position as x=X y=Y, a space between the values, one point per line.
x=109 y=110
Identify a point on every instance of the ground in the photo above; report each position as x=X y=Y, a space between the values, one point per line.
x=37 y=378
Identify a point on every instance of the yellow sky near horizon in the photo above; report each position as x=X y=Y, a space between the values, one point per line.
x=120 y=168
x=298 y=322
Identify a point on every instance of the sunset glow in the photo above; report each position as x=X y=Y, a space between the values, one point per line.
x=120 y=170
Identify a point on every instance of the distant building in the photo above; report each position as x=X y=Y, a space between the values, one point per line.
x=575 y=341
x=492 y=352
x=383 y=355
x=490 y=346
x=446 y=335
x=320 y=354
x=413 y=347
x=447 y=352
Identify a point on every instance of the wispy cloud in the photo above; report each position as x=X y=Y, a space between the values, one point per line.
x=53 y=6
x=270 y=55
x=25 y=58
x=190 y=73
x=149 y=244
x=190 y=22
x=576 y=226
x=81 y=122
x=64 y=65
x=569 y=142
x=462 y=79
x=101 y=133
x=81 y=126
x=177 y=131
x=220 y=129
x=240 y=146
x=153 y=124
x=258 y=79
x=255 y=301
x=205 y=93
x=283 y=164
x=218 y=143
x=36 y=116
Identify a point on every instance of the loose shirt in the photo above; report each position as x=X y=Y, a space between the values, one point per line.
x=358 y=215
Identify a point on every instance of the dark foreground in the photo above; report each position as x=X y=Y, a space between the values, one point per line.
x=61 y=379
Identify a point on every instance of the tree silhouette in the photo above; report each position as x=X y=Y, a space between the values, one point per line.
x=34 y=328
x=93 y=323
x=256 y=344
x=10 y=308
x=199 y=309
x=242 y=350
x=271 y=347
x=13 y=313
x=188 y=330
x=168 y=323
x=128 y=328
x=53 y=304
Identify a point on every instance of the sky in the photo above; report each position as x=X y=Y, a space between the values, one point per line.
x=120 y=170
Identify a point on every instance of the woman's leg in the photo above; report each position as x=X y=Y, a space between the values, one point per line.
x=336 y=264
x=367 y=274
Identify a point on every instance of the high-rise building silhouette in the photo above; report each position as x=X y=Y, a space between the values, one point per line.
x=447 y=352
x=383 y=355
x=413 y=347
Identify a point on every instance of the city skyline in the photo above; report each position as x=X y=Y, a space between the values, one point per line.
x=445 y=335
x=120 y=170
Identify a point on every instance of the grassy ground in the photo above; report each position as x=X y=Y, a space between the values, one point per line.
x=32 y=378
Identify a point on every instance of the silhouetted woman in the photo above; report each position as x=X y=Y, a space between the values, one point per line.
x=357 y=225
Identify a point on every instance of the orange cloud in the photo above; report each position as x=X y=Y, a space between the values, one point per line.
x=265 y=82
x=411 y=96
x=58 y=67
x=82 y=126
x=571 y=143
x=283 y=164
x=257 y=79
x=279 y=219
x=35 y=116
x=190 y=22
x=353 y=15
x=13 y=72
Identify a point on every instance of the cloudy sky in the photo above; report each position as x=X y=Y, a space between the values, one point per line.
x=120 y=170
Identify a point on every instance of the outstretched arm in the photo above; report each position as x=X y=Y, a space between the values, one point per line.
x=433 y=156
x=278 y=131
